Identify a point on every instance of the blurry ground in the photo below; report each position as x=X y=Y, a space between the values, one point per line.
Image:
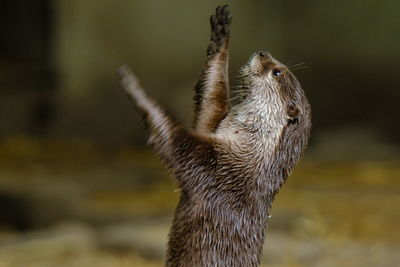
x=75 y=204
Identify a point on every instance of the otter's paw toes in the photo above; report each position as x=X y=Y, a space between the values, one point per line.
x=224 y=16
x=220 y=23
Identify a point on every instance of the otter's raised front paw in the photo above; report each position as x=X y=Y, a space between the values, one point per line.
x=220 y=28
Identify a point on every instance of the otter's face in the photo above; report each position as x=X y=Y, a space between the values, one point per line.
x=263 y=73
x=263 y=65
x=268 y=79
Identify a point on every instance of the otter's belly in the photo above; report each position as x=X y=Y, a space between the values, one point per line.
x=217 y=235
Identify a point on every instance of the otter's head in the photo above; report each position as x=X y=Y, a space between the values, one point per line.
x=270 y=89
x=272 y=85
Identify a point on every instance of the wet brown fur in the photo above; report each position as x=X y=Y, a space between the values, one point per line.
x=214 y=92
x=233 y=161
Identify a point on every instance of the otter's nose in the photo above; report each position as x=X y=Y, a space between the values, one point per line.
x=264 y=54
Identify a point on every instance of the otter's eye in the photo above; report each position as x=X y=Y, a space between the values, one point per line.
x=276 y=72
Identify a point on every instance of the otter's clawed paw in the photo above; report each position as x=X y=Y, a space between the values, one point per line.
x=220 y=28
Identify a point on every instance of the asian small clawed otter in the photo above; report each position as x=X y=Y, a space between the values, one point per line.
x=234 y=160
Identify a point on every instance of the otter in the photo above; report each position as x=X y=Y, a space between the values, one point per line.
x=234 y=160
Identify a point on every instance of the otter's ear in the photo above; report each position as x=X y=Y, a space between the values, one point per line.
x=293 y=113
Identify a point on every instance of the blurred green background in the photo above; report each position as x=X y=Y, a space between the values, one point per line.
x=78 y=186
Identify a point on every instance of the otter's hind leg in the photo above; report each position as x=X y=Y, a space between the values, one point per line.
x=211 y=103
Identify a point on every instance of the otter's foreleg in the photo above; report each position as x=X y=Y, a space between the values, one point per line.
x=161 y=126
x=179 y=149
x=211 y=92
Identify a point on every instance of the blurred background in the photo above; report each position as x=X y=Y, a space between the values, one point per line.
x=78 y=187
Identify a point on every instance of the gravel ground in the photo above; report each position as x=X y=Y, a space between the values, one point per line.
x=72 y=204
